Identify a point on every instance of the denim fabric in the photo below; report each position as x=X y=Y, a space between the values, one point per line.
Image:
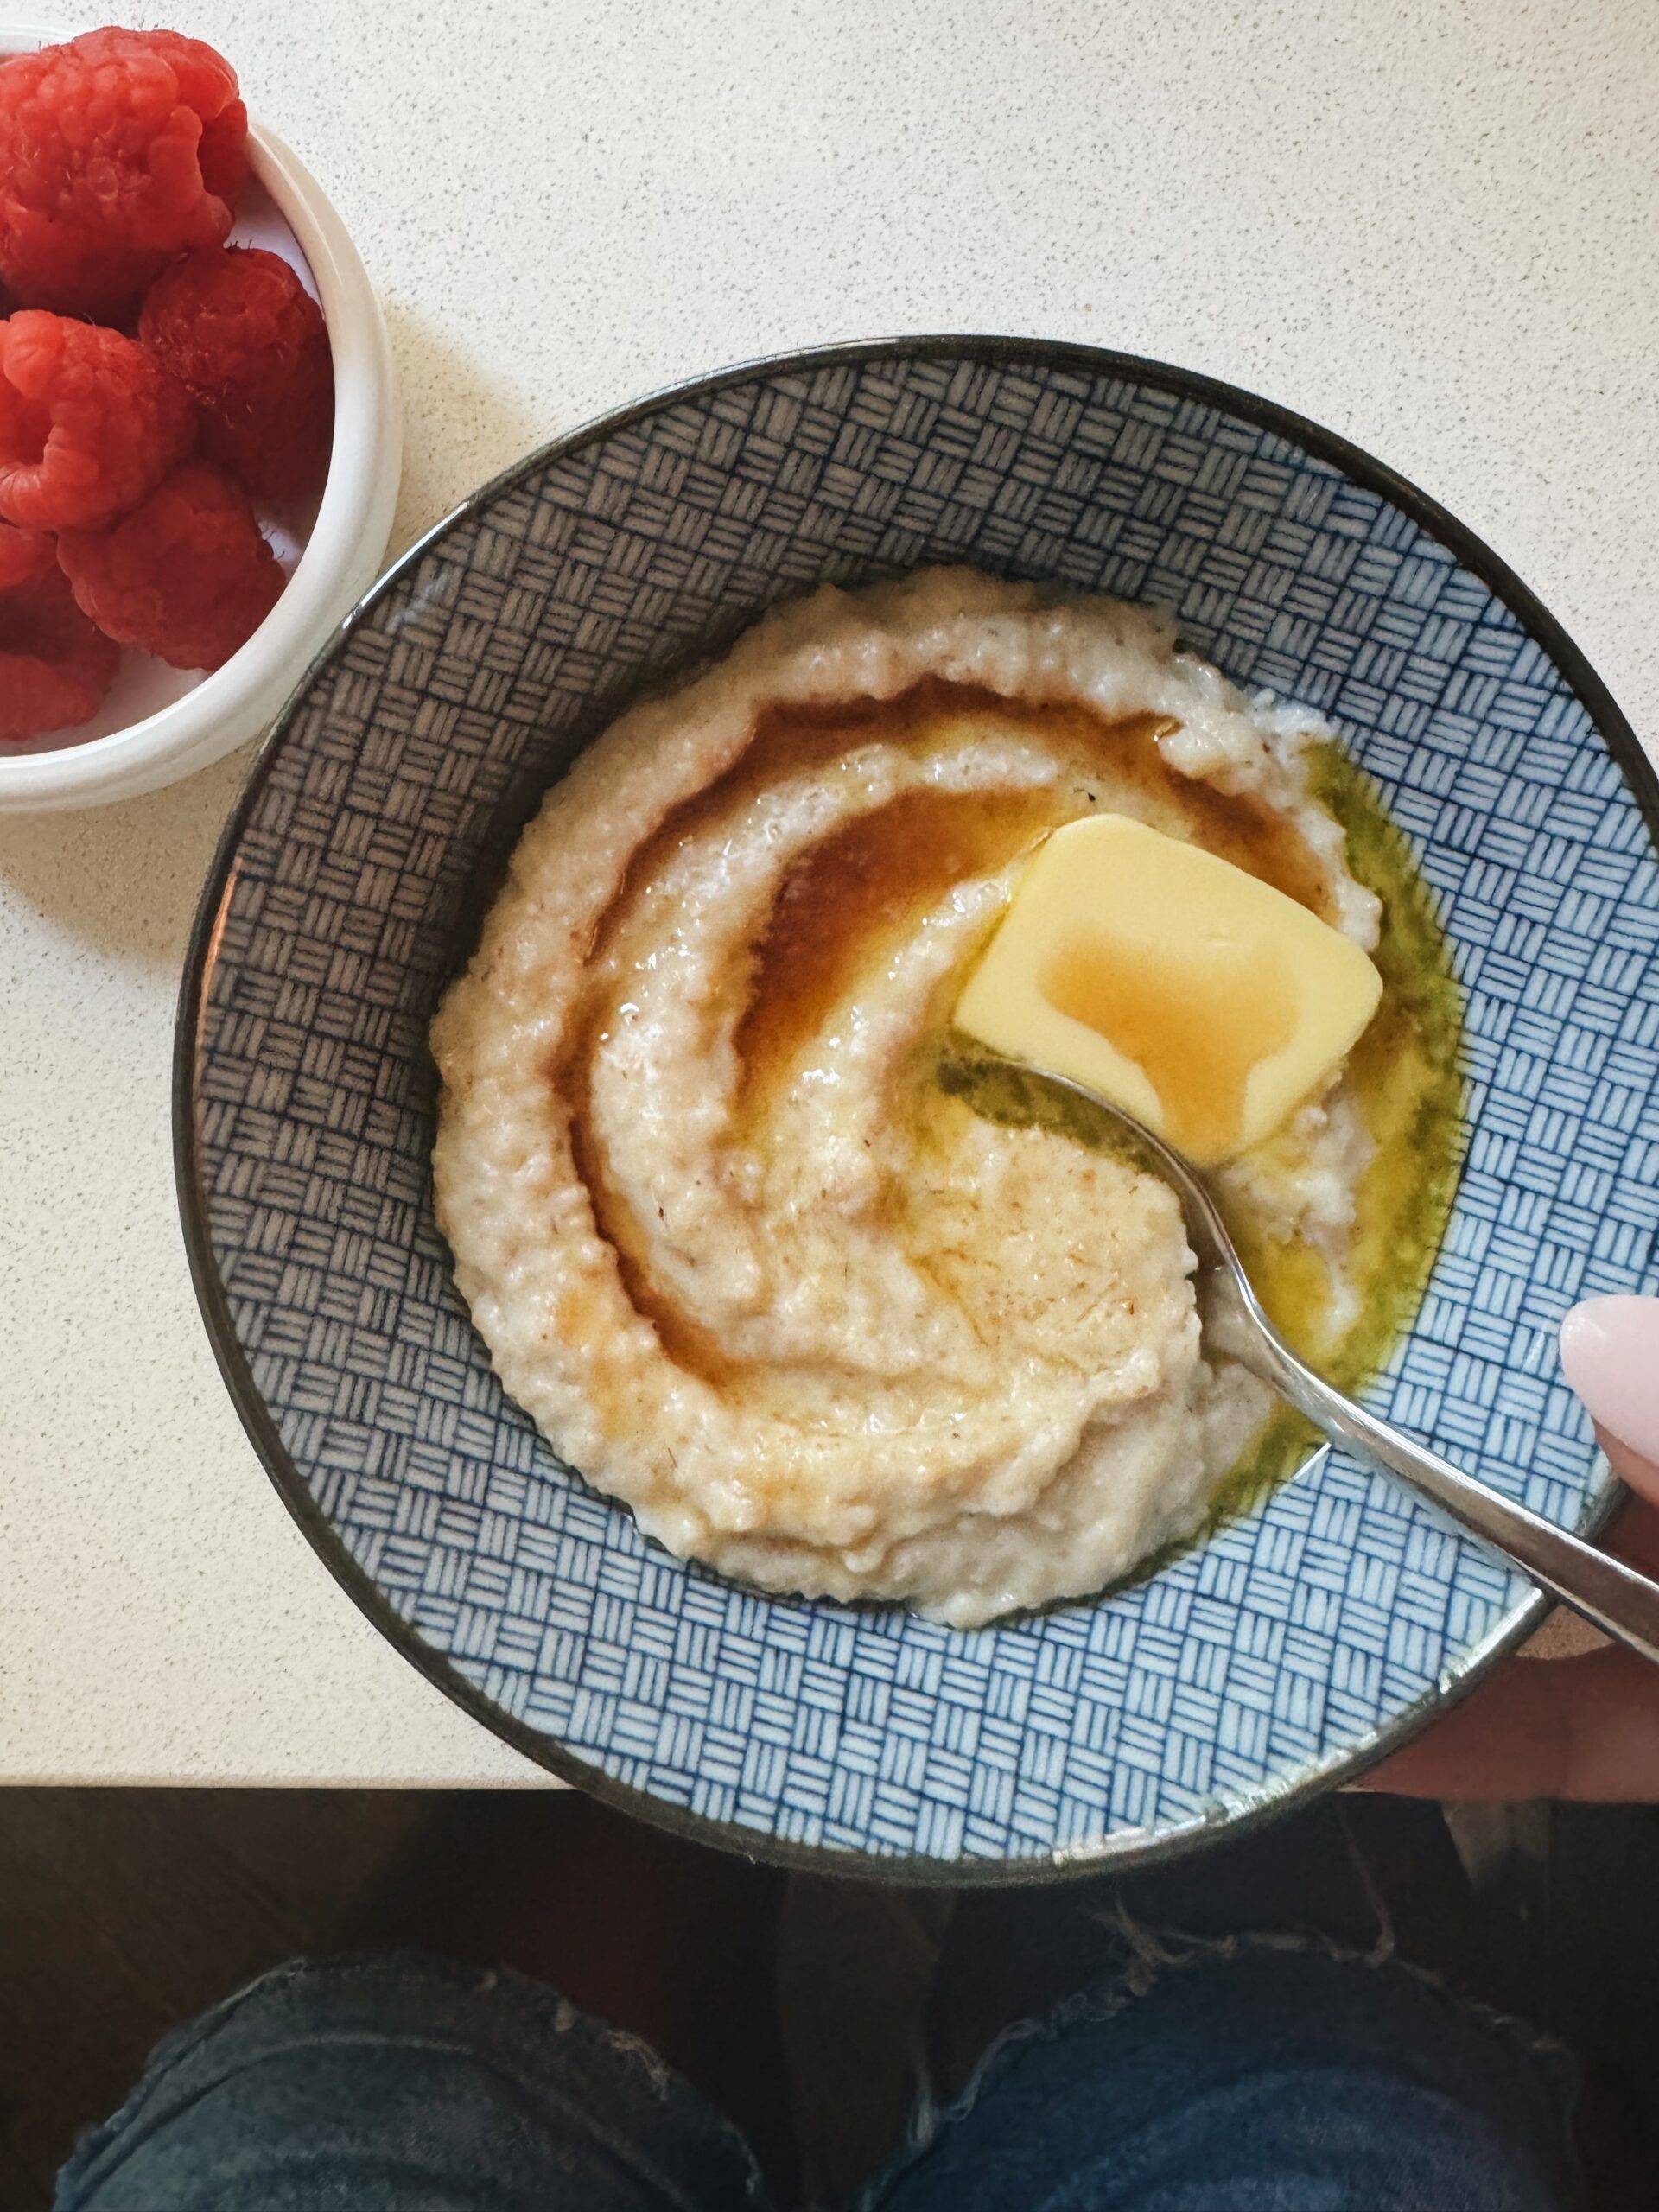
x=1258 y=2076
x=406 y=2084
x=1252 y=2080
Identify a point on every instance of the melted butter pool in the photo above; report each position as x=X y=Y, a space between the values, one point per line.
x=1407 y=1071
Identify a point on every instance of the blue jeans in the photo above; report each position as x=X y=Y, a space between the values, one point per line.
x=1253 y=2079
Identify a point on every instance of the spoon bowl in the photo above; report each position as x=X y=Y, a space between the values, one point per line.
x=1622 y=1602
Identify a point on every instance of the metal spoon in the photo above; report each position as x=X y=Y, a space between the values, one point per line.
x=1622 y=1603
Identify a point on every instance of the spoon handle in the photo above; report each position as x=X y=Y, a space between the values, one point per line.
x=1621 y=1602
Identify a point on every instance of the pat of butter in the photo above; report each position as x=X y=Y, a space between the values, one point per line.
x=1200 y=1000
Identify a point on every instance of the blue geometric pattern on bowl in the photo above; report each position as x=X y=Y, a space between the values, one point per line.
x=1246 y=1671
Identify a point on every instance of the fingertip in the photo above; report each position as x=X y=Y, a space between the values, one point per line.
x=1610 y=1355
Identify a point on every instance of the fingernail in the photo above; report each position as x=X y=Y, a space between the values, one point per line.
x=1609 y=1354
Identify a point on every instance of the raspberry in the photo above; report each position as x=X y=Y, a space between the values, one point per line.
x=117 y=150
x=241 y=333
x=186 y=575
x=54 y=665
x=24 y=555
x=89 y=423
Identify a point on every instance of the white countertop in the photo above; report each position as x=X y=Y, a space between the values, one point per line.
x=1432 y=224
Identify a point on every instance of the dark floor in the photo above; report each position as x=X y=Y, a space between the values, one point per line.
x=123 y=1912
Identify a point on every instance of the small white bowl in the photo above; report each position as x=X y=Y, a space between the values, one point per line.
x=159 y=723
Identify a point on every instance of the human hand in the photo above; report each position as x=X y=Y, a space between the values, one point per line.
x=1587 y=1727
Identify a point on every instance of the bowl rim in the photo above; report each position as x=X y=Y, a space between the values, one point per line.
x=1132 y=1848
x=341 y=551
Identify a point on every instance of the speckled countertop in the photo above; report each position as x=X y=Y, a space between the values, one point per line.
x=1432 y=224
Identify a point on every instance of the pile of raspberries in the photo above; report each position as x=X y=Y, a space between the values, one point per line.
x=155 y=382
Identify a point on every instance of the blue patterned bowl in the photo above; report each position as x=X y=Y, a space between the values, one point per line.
x=1303 y=1640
